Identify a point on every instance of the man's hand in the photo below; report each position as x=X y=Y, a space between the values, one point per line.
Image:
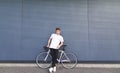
x=48 y=46
x=58 y=46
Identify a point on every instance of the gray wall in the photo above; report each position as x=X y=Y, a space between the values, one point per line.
x=90 y=28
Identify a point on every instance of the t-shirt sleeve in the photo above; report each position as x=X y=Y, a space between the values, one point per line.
x=62 y=40
x=51 y=36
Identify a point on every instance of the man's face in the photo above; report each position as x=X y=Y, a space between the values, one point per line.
x=57 y=31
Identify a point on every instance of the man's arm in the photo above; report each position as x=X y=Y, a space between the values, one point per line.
x=60 y=44
x=49 y=42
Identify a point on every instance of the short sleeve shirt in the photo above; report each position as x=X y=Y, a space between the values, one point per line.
x=56 y=40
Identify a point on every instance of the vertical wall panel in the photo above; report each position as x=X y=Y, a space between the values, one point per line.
x=10 y=29
x=104 y=28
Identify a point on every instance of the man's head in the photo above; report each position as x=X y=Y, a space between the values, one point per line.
x=58 y=31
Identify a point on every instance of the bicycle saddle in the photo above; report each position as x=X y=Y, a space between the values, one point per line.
x=45 y=48
x=63 y=47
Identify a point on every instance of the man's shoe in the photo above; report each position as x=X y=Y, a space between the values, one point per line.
x=51 y=70
x=54 y=69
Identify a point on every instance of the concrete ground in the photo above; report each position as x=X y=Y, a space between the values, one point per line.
x=81 y=68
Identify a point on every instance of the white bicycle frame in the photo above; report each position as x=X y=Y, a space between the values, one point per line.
x=47 y=55
x=60 y=58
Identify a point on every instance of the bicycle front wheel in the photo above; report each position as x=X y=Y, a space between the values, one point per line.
x=69 y=60
x=44 y=60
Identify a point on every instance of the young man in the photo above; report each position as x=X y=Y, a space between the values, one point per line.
x=54 y=43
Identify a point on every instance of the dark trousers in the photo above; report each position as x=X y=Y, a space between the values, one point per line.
x=54 y=54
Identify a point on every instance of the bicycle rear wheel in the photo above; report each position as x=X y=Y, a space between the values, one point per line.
x=44 y=60
x=69 y=60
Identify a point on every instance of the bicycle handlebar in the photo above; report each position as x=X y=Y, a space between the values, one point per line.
x=62 y=47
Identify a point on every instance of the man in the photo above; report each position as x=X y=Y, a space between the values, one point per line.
x=54 y=43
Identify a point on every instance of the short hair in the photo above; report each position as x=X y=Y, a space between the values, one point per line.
x=58 y=29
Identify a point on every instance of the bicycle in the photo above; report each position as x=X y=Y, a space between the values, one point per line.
x=68 y=60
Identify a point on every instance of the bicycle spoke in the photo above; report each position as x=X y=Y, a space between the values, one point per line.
x=69 y=60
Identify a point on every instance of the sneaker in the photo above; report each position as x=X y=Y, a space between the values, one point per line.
x=54 y=69
x=50 y=70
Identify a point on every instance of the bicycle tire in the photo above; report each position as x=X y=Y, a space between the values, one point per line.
x=41 y=62
x=71 y=63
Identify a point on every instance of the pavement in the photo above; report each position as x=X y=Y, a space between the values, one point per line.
x=80 y=68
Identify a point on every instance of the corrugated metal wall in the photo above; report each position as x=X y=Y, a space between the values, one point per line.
x=90 y=28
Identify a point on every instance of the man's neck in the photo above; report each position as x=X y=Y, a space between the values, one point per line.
x=57 y=34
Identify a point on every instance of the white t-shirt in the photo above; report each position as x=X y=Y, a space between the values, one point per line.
x=56 y=39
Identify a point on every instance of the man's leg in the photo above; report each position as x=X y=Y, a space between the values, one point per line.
x=52 y=54
x=53 y=57
x=56 y=55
